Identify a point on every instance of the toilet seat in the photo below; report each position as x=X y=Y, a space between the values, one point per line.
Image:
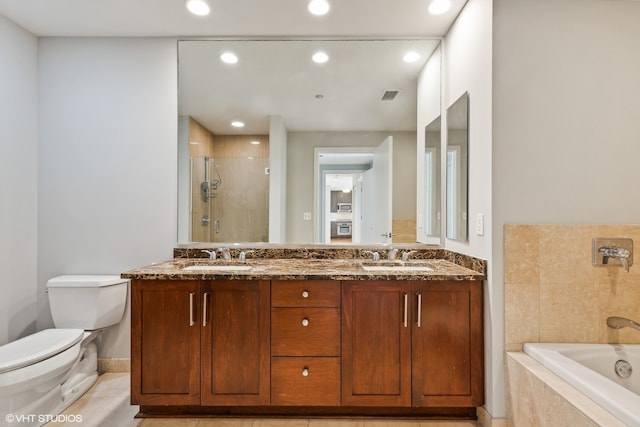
x=37 y=347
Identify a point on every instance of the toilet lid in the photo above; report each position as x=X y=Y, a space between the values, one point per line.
x=36 y=347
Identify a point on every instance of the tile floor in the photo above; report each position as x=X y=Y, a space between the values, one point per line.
x=106 y=404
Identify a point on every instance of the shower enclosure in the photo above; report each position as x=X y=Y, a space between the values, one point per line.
x=229 y=199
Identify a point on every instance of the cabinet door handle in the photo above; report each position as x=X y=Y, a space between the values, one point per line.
x=406 y=310
x=419 y=310
x=305 y=294
x=204 y=309
x=305 y=372
x=191 y=321
x=305 y=322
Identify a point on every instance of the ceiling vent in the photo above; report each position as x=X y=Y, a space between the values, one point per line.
x=389 y=95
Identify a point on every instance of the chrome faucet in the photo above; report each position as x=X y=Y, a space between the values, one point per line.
x=407 y=254
x=615 y=322
x=391 y=254
x=226 y=254
x=616 y=252
x=212 y=254
x=242 y=256
x=375 y=256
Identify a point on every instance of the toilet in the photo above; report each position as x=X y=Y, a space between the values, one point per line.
x=44 y=373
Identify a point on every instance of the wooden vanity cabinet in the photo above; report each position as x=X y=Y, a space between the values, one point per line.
x=327 y=347
x=305 y=343
x=412 y=343
x=165 y=342
x=200 y=342
x=447 y=340
x=376 y=343
x=235 y=361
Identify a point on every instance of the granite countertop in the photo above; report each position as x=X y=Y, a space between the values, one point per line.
x=305 y=269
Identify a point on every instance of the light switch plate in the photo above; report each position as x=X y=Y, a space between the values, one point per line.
x=306 y=216
x=480 y=224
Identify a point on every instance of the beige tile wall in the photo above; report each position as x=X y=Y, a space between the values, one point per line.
x=404 y=230
x=554 y=294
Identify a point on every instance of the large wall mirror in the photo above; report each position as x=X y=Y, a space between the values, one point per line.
x=457 y=169
x=233 y=178
x=429 y=151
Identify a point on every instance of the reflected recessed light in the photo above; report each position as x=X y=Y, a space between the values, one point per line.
x=320 y=57
x=318 y=7
x=438 y=7
x=411 y=56
x=229 y=58
x=198 y=7
x=237 y=124
x=254 y=142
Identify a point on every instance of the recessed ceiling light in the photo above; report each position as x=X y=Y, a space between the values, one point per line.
x=438 y=7
x=254 y=142
x=198 y=7
x=320 y=57
x=411 y=56
x=318 y=7
x=237 y=124
x=229 y=58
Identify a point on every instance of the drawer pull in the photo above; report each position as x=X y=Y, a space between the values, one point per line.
x=419 y=310
x=305 y=372
x=305 y=322
x=305 y=294
x=191 y=321
x=406 y=309
x=204 y=308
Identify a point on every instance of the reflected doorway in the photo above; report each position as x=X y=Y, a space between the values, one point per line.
x=352 y=189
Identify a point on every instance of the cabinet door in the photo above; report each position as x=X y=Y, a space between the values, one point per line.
x=448 y=344
x=235 y=342
x=165 y=342
x=376 y=344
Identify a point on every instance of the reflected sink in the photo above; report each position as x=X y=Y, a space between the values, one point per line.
x=210 y=267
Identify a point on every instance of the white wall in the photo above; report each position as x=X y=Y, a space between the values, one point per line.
x=18 y=181
x=566 y=99
x=468 y=67
x=108 y=161
x=300 y=164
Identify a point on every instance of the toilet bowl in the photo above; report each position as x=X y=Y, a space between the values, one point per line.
x=44 y=373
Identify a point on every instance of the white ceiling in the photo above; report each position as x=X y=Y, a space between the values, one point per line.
x=353 y=80
x=119 y=18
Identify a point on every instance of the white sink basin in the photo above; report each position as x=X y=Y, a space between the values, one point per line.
x=398 y=268
x=217 y=268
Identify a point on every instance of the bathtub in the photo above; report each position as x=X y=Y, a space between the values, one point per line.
x=598 y=371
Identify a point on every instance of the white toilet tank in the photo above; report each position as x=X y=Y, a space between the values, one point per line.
x=87 y=301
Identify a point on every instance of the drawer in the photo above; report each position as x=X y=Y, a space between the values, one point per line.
x=305 y=381
x=305 y=331
x=305 y=293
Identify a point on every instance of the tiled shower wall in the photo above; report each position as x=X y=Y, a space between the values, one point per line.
x=554 y=294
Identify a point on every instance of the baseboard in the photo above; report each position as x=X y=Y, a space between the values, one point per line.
x=114 y=365
x=485 y=420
